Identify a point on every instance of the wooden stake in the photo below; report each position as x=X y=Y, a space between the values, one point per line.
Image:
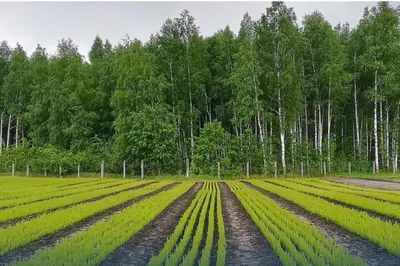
x=142 y=169
x=124 y=168
x=79 y=170
x=302 y=169
x=276 y=169
x=349 y=167
x=373 y=167
x=247 y=169
x=102 y=169
x=27 y=170
x=187 y=168
x=12 y=169
x=218 y=169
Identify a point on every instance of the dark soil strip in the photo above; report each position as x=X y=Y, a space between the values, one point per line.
x=372 y=254
x=151 y=239
x=189 y=245
x=50 y=240
x=370 y=183
x=245 y=242
x=374 y=214
x=65 y=195
x=216 y=235
x=33 y=216
x=204 y=237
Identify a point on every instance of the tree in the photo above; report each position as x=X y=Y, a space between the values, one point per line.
x=279 y=38
x=148 y=134
x=16 y=90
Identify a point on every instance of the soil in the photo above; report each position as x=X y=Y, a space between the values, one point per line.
x=151 y=239
x=368 y=183
x=372 y=254
x=30 y=249
x=246 y=244
x=33 y=216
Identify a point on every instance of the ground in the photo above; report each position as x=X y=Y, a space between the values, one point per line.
x=293 y=221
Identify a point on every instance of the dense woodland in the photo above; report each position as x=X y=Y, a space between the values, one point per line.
x=282 y=90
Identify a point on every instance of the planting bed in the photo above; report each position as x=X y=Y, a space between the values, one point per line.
x=48 y=221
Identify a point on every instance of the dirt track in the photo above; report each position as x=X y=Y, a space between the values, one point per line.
x=246 y=244
x=368 y=183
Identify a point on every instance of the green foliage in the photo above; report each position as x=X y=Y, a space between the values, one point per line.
x=148 y=135
x=279 y=93
x=212 y=146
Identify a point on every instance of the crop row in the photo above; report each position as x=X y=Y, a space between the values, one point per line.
x=92 y=246
x=21 y=187
x=25 y=232
x=41 y=206
x=295 y=242
x=43 y=194
x=207 y=201
x=382 y=207
x=382 y=233
x=370 y=194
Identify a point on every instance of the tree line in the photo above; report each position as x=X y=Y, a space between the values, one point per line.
x=280 y=91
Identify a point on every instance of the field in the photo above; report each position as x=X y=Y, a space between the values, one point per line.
x=294 y=221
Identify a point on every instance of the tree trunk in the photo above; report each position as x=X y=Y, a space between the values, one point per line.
x=358 y=146
x=315 y=129
x=8 y=131
x=1 y=132
x=395 y=140
x=376 y=123
x=329 y=126
x=282 y=131
x=17 y=133
x=191 y=110
x=319 y=129
x=387 y=137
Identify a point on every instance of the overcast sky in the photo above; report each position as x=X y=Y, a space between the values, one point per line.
x=45 y=23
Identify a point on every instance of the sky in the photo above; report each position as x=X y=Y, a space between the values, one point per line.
x=45 y=23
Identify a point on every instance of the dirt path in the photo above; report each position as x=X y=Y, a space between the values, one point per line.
x=368 y=183
x=245 y=243
x=372 y=254
x=29 y=250
x=150 y=240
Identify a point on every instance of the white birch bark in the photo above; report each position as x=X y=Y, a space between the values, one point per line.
x=8 y=131
x=387 y=137
x=315 y=129
x=17 y=133
x=376 y=123
x=281 y=131
x=1 y=131
x=329 y=126
x=358 y=146
x=319 y=129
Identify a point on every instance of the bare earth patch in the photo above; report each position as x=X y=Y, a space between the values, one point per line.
x=245 y=243
x=372 y=254
x=368 y=183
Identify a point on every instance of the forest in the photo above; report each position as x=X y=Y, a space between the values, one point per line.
x=295 y=92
